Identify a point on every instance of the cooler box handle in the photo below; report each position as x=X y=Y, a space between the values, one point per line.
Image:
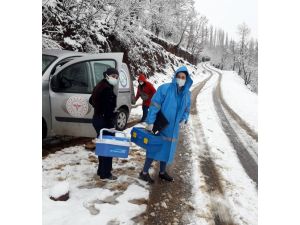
x=111 y=131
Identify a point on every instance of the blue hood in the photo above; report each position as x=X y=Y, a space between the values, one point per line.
x=189 y=81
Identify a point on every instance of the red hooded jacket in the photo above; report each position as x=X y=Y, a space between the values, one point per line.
x=145 y=91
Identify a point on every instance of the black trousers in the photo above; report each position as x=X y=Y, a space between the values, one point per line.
x=105 y=163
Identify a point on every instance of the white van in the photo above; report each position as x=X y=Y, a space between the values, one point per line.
x=67 y=83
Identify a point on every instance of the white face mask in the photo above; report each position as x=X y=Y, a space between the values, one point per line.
x=111 y=80
x=141 y=82
x=180 y=82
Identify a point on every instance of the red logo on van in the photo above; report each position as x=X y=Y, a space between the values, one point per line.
x=77 y=106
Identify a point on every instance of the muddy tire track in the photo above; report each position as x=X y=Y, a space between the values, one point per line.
x=176 y=194
x=55 y=144
x=169 y=201
x=219 y=210
x=247 y=161
x=243 y=124
x=132 y=123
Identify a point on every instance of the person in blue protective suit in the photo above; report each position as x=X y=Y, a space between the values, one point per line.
x=174 y=101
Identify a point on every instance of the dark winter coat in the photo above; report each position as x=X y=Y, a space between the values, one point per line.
x=145 y=91
x=104 y=100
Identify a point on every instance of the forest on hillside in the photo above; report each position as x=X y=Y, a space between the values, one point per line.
x=147 y=31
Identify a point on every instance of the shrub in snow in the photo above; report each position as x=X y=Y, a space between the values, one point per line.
x=60 y=191
x=47 y=43
x=90 y=47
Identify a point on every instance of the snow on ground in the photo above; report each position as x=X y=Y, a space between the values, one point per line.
x=61 y=188
x=240 y=98
x=92 y=201
x=49 y=3
x=240 y=190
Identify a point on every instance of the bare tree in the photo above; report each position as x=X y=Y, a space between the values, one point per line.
x=244 y=32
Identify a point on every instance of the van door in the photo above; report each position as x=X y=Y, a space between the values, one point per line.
x=124 y=88
x=70 y=89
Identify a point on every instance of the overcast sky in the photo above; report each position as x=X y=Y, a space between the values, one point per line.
x=228 y=14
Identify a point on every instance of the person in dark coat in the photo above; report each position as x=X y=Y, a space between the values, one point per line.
x=104 y=101
x=174 y=101
x=145 y=91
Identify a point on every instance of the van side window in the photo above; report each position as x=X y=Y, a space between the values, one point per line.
x=75 y=79
x=62 y=62
x=100 y=66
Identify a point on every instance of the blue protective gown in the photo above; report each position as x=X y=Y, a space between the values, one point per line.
x=175 y=105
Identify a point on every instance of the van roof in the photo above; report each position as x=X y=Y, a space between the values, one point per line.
x=59 y=53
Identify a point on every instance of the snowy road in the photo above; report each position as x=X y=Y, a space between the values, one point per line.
x=225 y=171
x=215 y=168
x=203 y=193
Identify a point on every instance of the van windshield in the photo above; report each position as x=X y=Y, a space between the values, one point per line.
x=47 y=60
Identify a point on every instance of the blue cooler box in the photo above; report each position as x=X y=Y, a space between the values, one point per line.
x=145 y=139
x=111 y=146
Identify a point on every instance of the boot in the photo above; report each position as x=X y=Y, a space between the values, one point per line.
x=165 y=176
x=112 y=177
x=146 y=177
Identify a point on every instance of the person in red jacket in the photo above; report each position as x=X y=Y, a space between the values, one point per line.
x=145 y=91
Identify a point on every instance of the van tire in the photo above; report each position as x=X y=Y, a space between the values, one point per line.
x=121 y=119
x=44 y=131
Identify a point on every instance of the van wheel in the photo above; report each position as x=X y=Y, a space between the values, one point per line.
x=121 y=119
x=44 y=131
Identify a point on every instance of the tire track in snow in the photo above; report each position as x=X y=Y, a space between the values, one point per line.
x=244 y=125
x=247 y=161
x=54 y=144
x=219 y=212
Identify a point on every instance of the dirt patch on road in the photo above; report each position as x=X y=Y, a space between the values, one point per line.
x=168 y=200
x=212 y=177
x=58 y=143
x=132 y=123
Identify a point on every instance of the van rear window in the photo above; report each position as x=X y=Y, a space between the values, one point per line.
x=47 y=60
x=101 y=66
